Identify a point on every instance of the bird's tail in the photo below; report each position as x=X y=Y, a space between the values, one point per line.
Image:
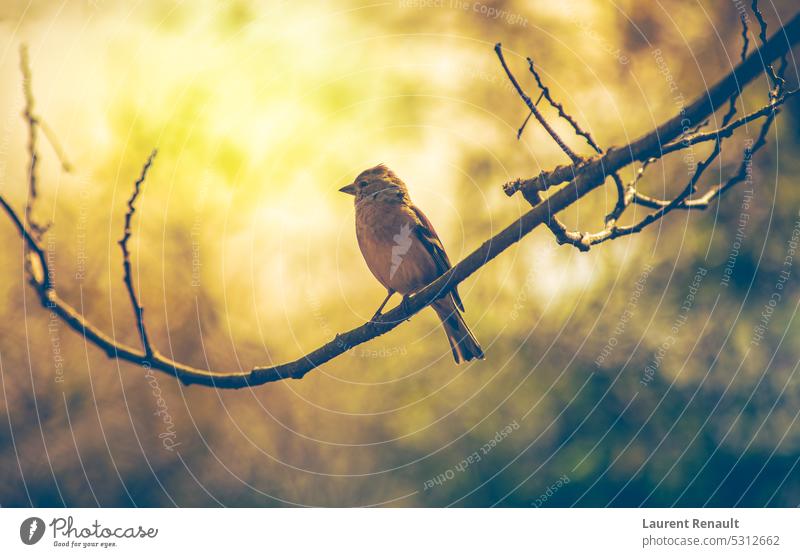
x=462 y=341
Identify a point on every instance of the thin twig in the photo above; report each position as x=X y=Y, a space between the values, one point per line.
x=138 y=310
x=727 y=130
x=713 y=193
x=624 y=197
x=560 y=108
x=742 y=56
x=629 y=194
x=33 y=155
x=524 y=123
x=745 y=38
x=528 y=117
x=498 y=48
x=640 y=172
x=66 y=166
x=777 y=81
x=681 y=202
x=718 y=136
x=651 y=144
x=741 y=174
x=687 y=191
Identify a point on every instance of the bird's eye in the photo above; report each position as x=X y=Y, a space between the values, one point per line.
x=362 y=184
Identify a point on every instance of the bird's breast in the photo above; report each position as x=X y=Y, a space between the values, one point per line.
x=388 y=241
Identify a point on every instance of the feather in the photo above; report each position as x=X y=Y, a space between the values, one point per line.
x=433 y=245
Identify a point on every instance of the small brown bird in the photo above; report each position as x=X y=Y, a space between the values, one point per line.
x=404 y=252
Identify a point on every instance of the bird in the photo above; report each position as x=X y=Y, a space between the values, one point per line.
x=403 y=251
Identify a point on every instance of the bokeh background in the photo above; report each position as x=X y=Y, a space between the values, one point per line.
x=245 y=254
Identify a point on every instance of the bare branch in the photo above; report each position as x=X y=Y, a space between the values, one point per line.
x=728 y=115
x=688 y=190
x=777 y=81
x=560 y=108
x=583 y=178
x=727 y=130
x=742 y=56
x=138 y=310
x=629 y=194
x=498 y=48
x=762 y=34
x=33 y=190
x=40 y=278
x=741 y=174
x=34 y=124
x=745 y=37
x=681 y=201
x=624 y=197
x=561 y=233
x=713 y=193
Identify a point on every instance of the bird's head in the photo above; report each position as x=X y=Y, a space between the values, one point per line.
x=378 y=183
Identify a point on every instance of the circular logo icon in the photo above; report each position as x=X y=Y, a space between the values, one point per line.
x=31 y=530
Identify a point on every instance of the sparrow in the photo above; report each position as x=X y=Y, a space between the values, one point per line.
x=403 y=251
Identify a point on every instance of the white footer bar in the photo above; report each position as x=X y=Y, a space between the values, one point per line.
x=379 y=532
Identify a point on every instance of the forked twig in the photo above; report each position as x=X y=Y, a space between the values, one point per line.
x=498 y=48
x=561 y=112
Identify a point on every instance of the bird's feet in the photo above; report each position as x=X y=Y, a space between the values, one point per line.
x=378 y=313
x=404 y=305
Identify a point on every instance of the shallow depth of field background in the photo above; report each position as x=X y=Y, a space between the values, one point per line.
x=245 y=254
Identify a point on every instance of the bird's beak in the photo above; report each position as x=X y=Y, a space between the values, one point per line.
x=349 y=188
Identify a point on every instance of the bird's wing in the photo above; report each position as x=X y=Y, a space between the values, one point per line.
x=433 y=245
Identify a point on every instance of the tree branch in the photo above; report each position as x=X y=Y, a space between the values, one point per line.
x=138 y=310
x=627 y=195
x=498 y=48
x=582 y=178
x=33 y=190
x=649 y=145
